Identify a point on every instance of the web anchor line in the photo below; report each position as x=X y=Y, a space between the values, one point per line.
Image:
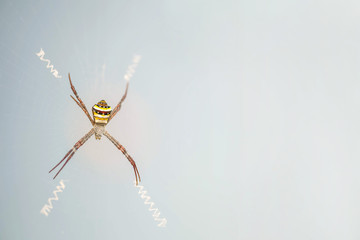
x=41 y=55
x=156 y=212
x=47 y=207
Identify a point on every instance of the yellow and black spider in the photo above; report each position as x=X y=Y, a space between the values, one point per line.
x=102 y=114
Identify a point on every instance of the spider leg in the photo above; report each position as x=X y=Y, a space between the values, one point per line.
x=118 y=106
x=72 y=151
x=123 y=150
x=79 y=102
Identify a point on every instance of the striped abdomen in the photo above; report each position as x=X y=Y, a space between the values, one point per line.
x=101 y=112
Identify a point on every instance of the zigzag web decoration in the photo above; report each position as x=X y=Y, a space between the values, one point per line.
x=41 y=54
x=156 y=212
x=47 y=207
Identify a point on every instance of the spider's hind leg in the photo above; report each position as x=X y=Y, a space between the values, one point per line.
x=129 y=158
x=62 y=160
x=72 y=151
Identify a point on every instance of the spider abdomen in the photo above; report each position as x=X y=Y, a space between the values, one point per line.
x=101 y=112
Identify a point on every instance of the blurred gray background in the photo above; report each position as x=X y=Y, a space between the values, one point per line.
x=242 y=116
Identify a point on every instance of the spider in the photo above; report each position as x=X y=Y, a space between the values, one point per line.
x=102 y=114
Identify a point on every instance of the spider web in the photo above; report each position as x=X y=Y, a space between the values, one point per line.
x=42 y=122
x=43 y=100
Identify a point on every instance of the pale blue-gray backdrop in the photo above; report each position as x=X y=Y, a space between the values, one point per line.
x=242 y=116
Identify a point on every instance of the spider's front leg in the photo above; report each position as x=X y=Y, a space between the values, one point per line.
x=123 y=150
x=73 y=150
x=80 y=103
x=118 y=106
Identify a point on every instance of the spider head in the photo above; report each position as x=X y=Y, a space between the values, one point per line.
x=101 y=112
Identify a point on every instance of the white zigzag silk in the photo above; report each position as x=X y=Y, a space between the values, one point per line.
x=47 y=207
x=156 y=212
x=53 y=71
x=131 y=69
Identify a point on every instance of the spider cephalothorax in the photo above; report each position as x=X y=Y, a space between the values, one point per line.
x=102 y=114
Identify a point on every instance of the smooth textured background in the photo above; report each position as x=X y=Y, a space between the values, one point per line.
x=242 y=116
